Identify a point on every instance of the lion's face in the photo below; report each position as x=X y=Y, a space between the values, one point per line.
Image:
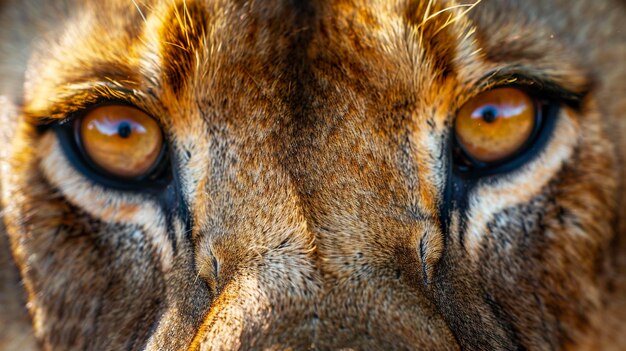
x=316 y=182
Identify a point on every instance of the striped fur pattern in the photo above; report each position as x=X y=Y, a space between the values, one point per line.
x=312 y=205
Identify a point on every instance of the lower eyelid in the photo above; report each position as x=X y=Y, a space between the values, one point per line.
x=106 y=204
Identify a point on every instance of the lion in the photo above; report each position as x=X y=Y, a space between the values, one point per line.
x=313 y=175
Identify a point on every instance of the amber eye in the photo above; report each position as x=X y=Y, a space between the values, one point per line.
x=495 y=124
x=120 y=140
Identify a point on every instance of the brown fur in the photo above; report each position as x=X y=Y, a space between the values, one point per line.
x=309 y=207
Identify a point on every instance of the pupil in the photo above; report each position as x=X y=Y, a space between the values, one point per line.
x=124 y=130
x=489 y=114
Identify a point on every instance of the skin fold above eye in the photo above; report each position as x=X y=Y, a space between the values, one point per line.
x=120 y=140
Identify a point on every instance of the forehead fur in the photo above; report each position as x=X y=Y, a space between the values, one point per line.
x=181 y=46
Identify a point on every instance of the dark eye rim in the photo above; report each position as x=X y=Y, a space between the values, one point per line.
x=158 y=177
x=546 y=114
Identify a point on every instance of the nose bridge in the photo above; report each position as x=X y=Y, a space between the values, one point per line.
x=253 y=247
x=316 y=248
x=370 y=201
x=307 y=225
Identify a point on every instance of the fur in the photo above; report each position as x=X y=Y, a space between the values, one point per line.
x=312 y=204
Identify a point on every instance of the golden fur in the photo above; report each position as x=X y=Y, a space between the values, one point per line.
x=311 y=206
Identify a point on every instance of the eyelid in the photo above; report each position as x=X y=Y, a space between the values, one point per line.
x=44 y=124
x=542 y=88
x=79 y=97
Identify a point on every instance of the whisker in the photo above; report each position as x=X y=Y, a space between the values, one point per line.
x=139 y=10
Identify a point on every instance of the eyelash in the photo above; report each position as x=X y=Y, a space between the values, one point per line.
x=541 y=89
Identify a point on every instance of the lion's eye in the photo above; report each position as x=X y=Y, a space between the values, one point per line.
x=496 y=125
x=120 y=140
